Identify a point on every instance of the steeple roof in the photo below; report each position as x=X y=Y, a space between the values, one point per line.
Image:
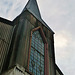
x=32 y=7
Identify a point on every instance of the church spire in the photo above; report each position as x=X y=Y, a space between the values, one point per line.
x=32 y=7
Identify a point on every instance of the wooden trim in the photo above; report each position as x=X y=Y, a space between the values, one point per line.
x=51 y=66
x=46 y=66
x=43 y=36
x=36 y=29
x=42 y=33
x=45 y=61
x=29 y=51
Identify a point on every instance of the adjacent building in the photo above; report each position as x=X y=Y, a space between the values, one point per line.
x=27 y=44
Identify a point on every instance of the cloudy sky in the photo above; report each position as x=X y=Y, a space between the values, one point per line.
x=60 y=16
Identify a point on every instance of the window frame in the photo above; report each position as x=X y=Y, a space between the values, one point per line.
x=46 y=57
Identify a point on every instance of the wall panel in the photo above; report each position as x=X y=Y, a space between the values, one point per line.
x=6 y=32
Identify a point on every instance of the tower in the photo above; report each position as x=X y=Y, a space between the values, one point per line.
x=31 y=47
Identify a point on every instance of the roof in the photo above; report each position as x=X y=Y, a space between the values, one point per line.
x=57 y=68
x=32 y=7
x=6 y=21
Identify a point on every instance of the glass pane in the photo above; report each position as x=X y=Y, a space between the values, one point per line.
x=36 y=65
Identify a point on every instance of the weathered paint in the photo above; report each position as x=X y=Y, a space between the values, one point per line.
x=6 y=32
x=20 y=42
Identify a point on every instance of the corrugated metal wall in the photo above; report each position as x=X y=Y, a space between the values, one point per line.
x=6 y=32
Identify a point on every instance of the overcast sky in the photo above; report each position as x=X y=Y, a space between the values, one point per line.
x=60 y=16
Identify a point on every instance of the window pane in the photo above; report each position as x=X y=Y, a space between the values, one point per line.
x=36 y=65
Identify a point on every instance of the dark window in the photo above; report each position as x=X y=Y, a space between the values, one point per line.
x=36 y=65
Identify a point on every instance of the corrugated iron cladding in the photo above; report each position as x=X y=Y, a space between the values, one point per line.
x=5 y=39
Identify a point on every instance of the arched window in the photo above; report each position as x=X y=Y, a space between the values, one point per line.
x=38 y=53
x=36 y=65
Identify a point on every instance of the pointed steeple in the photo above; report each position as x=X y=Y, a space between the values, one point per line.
x=32 y=7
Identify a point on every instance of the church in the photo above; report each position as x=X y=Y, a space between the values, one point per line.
x=27 y=44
